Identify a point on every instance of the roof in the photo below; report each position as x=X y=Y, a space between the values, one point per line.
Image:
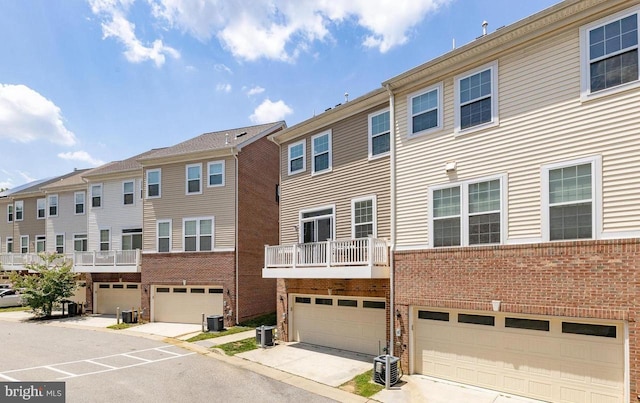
x=36 y=186
x=114 y=167
x=26 y=186
x=68 y=181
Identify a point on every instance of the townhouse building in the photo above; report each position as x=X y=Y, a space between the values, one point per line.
x=332 y=261
x=517 y=249
x=209 y=207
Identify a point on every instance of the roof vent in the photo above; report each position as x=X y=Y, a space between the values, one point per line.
x=226 y=139
x=485 y=24
x=240 y=134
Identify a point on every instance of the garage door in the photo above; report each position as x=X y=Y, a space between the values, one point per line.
x=109 y=296
x=348 y=323
x=553 y=359
x=181 y=304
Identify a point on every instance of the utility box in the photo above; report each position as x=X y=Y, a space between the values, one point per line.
x=129 y=316
x=268 y=335
x=380 y=369
x=215 y=323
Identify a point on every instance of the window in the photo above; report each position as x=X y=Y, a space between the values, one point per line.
x=297 y=162
x=79 y=202
x=80 y=242
x=24 y=244
x=303 y=300
x=128 y=190
x=132 y=239
x=363 y=217
x=40 y=243
x=96 y=195
x=379 y=133
x=105 y=239
x=216 y=173
x=9 y=245
x=19 y=206
x=476 y=98
x=164 y=236
x=60 y=243
x=588 y=329
x=324 y=301
x=569 y=200
x=374 y=304
x=317 y=225
x=198 y=234
x=610 y=52
x=321 y=151
x=194 y=178
x=476 y=319
x=41 y=208
x=434 y=315
x=425 y=110
x=216 y=291
x=10 y=213
x=348 y=302
x=528 y=324
x=469 y=213
x=153 y=183
x=53 y=206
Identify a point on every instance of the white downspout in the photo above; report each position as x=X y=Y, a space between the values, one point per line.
x=235 y=156
x=392 y=248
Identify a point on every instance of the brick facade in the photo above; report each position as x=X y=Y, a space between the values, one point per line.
x=107 y=278
x=584 y=279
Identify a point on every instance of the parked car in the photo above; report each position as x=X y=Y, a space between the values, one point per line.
x=9 y=298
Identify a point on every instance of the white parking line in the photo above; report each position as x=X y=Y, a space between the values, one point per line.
x=59 y=370
x=137 y=358
x=99 y=363
x=8 y=378
x=168 y=352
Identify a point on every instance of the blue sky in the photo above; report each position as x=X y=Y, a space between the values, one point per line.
x=87 y=82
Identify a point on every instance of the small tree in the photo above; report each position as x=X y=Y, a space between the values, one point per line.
x=51 y=283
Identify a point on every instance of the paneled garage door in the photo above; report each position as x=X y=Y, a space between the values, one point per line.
x=185 y=304
x=348 y=323
x=109 y=296
x=548 y=358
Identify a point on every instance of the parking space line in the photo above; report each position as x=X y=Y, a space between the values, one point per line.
x=59 y=370
x=8 y=378
x=99 y=363
x=137 y=358
x=162 y=349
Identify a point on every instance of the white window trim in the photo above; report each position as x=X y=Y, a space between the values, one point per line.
x=310 y=210
x=464 y=210
x=15 y=210
x=101 y=195
x=55 y=242
x=224 y=173
x=108 y=229
x=10 y=213
x=42 y=238
x=186 y=178
x=49 y=205
x=9 y=240
x=86 y=238
x=329 y=135
x=21 y=238
x=75 y=203
x=374 y=205
x=438 y=87
x=304 y=157
x=158 y=222
x=44 y=209
x=197 y=220
x=133 y=192
x=585 y=62
x=596 y=192
x=370 y=134
x=159 y=171
x=493 y=66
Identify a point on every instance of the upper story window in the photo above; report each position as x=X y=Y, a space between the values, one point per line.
x=80 y=242
x=198 y=234
x=9 y=244
x=153 y=183
x=569 y=201
x=41 y=242
x=60 y=243
x=128 y=190
x=317 y=224
x=24 y=244
x=19 y=206
x=476 y=98
x=363 y=217
x=53 y=205
x=79 y=202
x=321 y=152
x=425 y=110
x=132 y=239
x=379 y=133
x=297 y=161
x=10 y=213
x=96 y=195
x=610 y=52
x=105 y=239
x=194 y=179
x=41 y=208
x=216 y=173
x=163 y=231
x=467 y=213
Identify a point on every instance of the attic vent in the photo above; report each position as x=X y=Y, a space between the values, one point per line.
x=240 y=134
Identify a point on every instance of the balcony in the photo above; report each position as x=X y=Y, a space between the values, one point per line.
x=21 y=261
x=111 y=261
x=365 y=258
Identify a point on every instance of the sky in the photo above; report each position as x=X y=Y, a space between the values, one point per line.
x=86 y=82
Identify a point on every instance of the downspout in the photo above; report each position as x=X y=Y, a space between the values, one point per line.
x=392 y=248
x=235 y=156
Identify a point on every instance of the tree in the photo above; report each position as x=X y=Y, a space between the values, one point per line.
x=51 y=283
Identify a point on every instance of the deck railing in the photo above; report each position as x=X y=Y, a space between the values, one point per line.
x=107 y=258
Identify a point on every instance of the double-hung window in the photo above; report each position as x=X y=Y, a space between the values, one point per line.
x=297 y=161
x=19 y=206
x=321 y=152
x=105 y=239
x=476 y=98
x=59 y=243
x=467 y=213
x=9 y=244
x=215 y=173
x=79 y=202
x=163 y=232
x=363 y=217
x=379 y=133
x=153 y=183
x=10 y=213
x=41 y=208
x=425 y=110
x=80 y=242
x=41 y=243
x=53 y=205
x=198 y=234
x=24 y=244
x=610 y=52
x=96 y=195
x=194 y=179
x=128 y=191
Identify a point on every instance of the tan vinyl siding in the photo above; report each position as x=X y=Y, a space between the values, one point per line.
x=353 y=176
x=541 y=121
x=217 y=202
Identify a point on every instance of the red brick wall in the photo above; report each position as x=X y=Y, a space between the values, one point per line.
x=107 y=278
x=258 y=174
x=586 y=279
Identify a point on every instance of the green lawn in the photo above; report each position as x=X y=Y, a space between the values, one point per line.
x=213 y=335
x=236 y=347
x=122 y=325
x=363 y=385
x=15 y=309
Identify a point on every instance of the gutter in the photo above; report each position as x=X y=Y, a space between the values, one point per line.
x=392 y=248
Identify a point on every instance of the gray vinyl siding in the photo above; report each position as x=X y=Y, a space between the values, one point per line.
x=67 y=222
x=6 y=228
x=30 y=225
x=353 y=175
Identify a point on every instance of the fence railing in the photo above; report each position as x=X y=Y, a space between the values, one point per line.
x=107 y=258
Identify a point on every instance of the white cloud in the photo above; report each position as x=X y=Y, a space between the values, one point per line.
x=25 y=175
x=81 y=156
x=222 y=68
x=255 y=91
x=223 y=87
x=269 y=111
x=26 y=116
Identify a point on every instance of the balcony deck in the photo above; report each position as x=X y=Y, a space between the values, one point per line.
x=111 y=261
x=21 y=261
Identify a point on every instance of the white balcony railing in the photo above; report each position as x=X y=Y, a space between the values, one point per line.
x=21 y=261
x=111 y=260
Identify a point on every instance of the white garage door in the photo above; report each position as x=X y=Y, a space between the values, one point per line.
x=348 y=323
x=181 y=304
x=548 y=358
x=109 y=296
